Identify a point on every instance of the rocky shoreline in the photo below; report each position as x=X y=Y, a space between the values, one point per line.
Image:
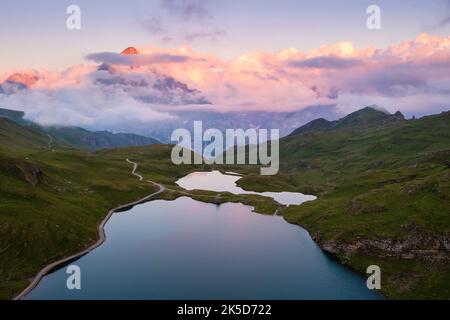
x=418 y=244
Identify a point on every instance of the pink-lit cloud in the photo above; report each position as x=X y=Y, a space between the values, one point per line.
x=413 y=76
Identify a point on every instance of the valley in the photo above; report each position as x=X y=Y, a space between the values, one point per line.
x=382 y=182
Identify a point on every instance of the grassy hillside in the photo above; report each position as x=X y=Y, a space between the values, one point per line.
x=384 y=197
x=53 y=198
x=383 y=185
x=91 y=141
x=14 y=136
x=78 y=137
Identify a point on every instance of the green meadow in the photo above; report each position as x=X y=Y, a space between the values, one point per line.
x=383 y=192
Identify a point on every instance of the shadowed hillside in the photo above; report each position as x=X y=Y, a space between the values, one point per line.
x=54 y=198
x=79 y=137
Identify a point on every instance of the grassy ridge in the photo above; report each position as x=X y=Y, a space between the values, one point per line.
x=53 y=199
x=380 y=186
x=378 y=182
x=58 y=216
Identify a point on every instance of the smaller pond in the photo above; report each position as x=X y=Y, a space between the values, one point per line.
x=219 y=182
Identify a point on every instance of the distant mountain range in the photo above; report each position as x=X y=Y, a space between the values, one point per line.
x=365 y=118
x=286 y=122
x=82 y=138
x=158 y=89
x=153 y=88
x=161 y=131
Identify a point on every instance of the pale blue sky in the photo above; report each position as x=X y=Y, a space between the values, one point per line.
x=33 y=33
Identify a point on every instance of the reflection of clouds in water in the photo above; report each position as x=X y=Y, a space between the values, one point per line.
x=218 y=182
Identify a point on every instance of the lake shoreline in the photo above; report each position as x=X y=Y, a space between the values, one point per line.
x=102 y=237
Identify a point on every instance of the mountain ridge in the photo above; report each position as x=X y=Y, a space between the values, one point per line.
x=368 y=116
x=383 y=197
x=82 y=138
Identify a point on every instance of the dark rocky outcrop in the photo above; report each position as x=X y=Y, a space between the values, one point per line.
x=417 y=244
x=32 y=173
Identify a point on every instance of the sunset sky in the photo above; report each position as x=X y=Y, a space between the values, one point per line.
x=35 y=36
x=242 y=55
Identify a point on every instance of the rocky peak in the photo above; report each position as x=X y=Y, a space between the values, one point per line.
x=368 y=117
x=130 y=51
x=23 y=78
x=398 y=115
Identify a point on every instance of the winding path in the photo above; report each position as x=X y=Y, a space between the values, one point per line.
x=134 y=170
x=50 y=141
x=102 y=238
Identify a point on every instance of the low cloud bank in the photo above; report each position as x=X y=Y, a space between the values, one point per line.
x=413 y=77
